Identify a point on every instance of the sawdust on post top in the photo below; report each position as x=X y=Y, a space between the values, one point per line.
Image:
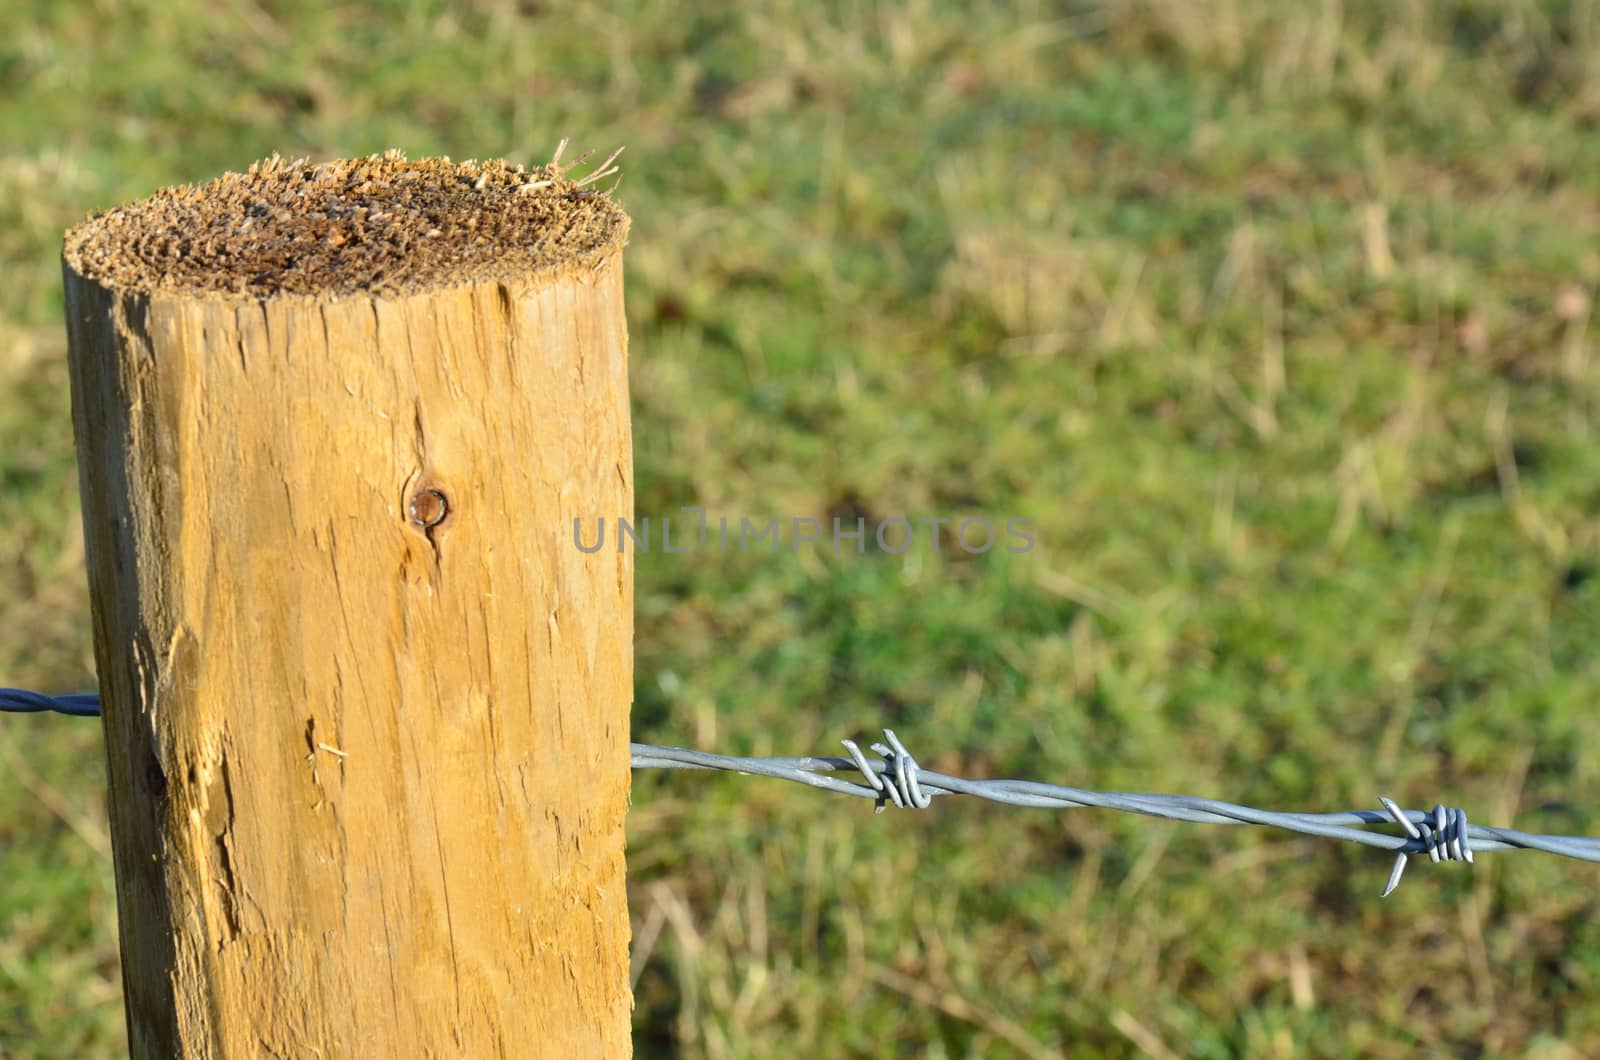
x=378 y=225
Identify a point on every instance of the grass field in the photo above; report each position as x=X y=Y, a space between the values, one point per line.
x=1276 y=320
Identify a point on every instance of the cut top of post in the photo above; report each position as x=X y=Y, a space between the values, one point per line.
x=379 y=225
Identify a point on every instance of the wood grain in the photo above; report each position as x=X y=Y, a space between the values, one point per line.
x=368 y=775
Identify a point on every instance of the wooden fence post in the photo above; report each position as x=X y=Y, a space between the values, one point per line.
x=366 y=704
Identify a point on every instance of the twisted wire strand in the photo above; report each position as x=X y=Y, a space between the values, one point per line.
x=18 y=701
x=895 y=778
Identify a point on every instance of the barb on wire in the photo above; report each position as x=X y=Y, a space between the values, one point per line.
x=1443 y=833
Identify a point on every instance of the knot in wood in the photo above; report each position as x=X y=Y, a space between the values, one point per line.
x=428 y=508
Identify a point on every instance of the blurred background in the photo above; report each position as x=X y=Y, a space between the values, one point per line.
x=1275 y=319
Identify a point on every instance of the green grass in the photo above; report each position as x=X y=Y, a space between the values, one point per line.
x=1275 y=319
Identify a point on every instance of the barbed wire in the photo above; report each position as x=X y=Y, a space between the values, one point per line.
x=895 y=778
